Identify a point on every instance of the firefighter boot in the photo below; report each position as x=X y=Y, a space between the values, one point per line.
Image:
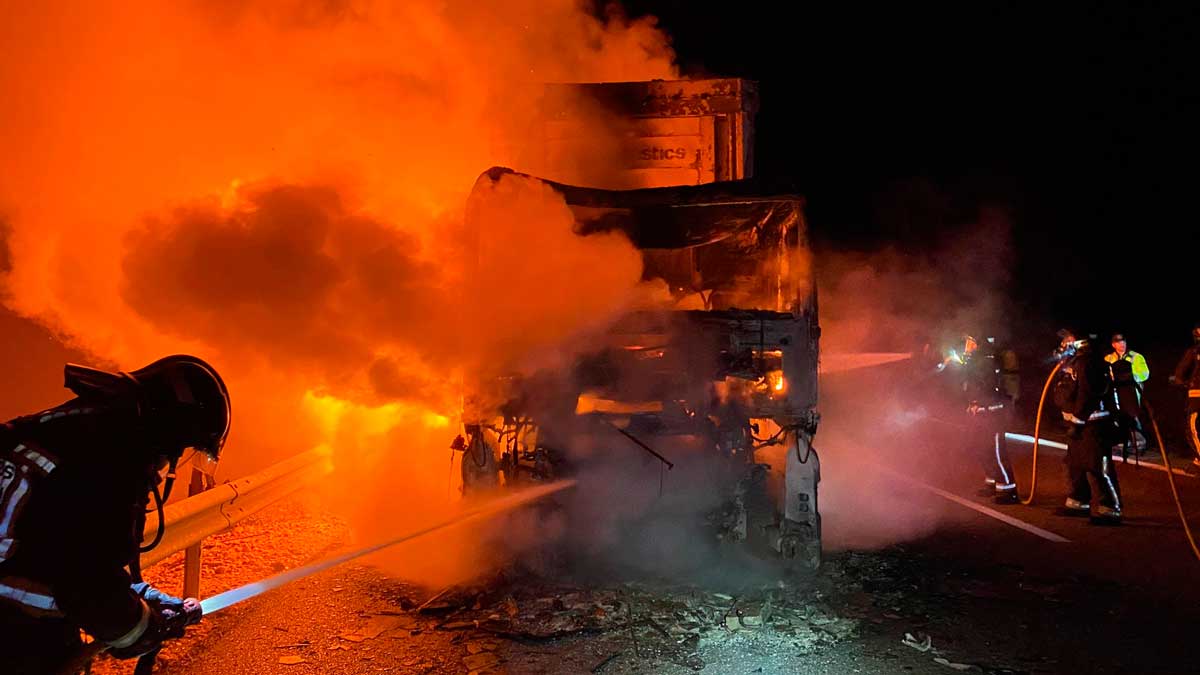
x=1006 y=493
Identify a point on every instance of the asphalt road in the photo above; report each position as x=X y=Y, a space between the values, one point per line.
x=992 y=597
x=1148 y=549
x=994 y=589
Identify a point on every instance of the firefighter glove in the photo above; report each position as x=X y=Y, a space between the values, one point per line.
x=166 y=618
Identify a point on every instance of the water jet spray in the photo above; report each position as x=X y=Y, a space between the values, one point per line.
x=221 y=601
x=231 y=597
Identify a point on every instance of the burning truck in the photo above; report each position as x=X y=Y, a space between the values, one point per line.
x=720 y=367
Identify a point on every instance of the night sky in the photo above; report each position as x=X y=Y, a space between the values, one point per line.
x=899 y=124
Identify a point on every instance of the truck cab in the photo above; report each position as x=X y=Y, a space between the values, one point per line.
x=728 y=361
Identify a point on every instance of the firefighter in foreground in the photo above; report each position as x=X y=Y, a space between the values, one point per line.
x=1187 y=375
x=988 y=409
x=1084 y=394
x=75 y=485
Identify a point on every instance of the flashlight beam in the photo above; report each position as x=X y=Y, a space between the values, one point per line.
x=221 y=601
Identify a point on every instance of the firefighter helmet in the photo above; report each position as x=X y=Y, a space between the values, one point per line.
x=181 y=400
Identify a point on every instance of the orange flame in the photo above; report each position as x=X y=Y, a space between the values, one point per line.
x=278 y=185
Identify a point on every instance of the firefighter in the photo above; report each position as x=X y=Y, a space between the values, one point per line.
x=1068 y=342
x=1187 y=375
x=75 y=484
x=1083 y=393
x=1010 y=373
x=1128 y=371
x=988 y=410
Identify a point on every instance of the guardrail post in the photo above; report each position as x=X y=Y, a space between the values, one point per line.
x=191 y=556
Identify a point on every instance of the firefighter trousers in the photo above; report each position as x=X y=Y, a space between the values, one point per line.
x=986 y=438
x=1090 y=467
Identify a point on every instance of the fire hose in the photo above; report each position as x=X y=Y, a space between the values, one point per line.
x=221 y=601
x=1171 y=480
x=1037 y=427
x=1162 y=448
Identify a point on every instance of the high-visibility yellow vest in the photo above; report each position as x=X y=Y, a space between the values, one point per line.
x=1141 y=371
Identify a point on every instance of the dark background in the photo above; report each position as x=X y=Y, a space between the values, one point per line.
x=899 y=124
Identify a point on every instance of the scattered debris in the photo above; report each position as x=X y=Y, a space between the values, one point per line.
x=429 y=605
x=378 y=625
x=632 y=635
x=481 y=661
x=607 y=660
x=663 y=623
x=755 y=614
x=920 y=642
x=510 y=607
x=477 y=646
x=951 y=664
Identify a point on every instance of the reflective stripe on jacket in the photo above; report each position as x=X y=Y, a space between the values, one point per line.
x=30 y=597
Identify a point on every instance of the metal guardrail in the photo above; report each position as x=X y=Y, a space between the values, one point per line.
x=190 y=520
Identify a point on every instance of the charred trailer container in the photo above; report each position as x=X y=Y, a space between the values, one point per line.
x=729 y=360
x=659 y=133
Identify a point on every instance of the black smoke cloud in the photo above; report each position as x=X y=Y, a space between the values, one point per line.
x=293 y=275
x=299 y=278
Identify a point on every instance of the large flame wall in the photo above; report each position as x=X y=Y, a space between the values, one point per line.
x=278 y=187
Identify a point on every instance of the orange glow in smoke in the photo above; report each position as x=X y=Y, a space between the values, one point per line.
x=278 y=186
x=588 y=403
x=329 y=411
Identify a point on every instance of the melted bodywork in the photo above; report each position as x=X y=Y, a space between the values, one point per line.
x=728 y=361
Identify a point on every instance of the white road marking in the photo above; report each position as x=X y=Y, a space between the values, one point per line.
x=992 y=513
